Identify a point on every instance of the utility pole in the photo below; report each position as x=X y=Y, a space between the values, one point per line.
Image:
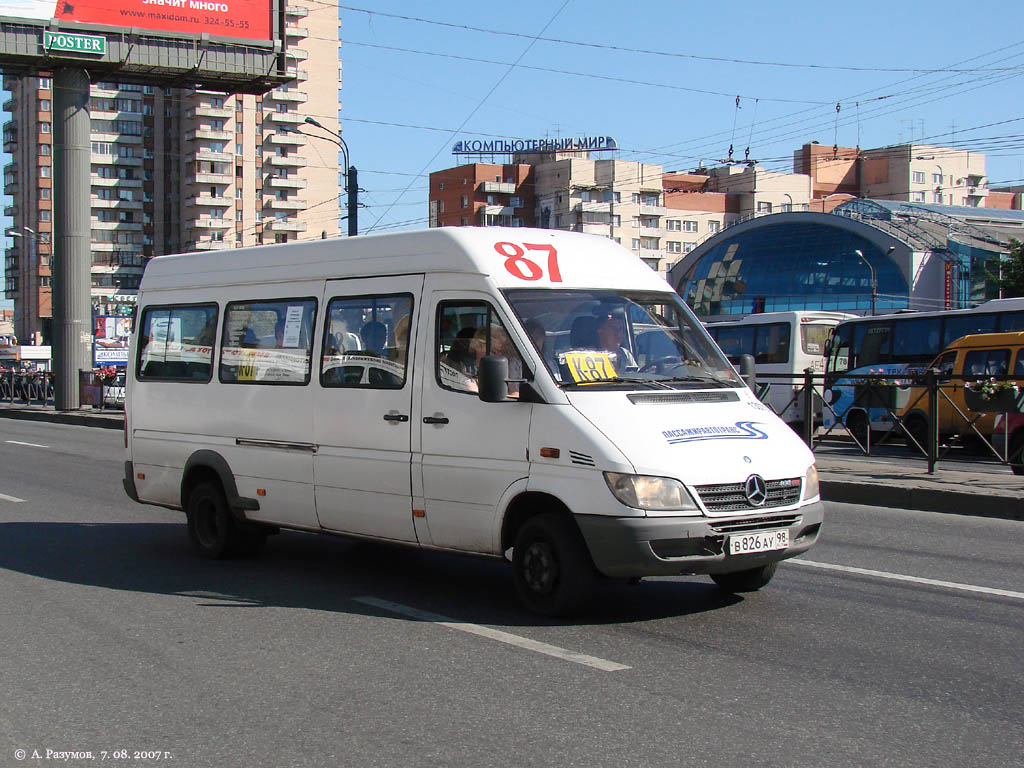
x=351 y=176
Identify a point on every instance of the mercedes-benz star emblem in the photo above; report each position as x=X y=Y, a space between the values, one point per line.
x=756 y=491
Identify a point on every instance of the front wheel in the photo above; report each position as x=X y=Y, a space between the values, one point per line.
x=552 y=570
x=745 y=581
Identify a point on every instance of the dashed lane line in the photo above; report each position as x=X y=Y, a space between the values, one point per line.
x=15 y=499
x=30 y=445
x=494 y=634
x=914 y=579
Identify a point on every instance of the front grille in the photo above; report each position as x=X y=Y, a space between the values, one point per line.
x=754 y=524
x=730 y=497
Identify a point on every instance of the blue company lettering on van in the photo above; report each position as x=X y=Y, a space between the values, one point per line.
x=741 y=430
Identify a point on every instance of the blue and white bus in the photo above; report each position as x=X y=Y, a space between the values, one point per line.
x=901 y=343
x=784 y=345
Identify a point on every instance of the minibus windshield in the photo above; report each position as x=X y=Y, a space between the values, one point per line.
x=609 y=339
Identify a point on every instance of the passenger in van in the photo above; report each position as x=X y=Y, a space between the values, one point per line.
x=374 y=335
x=460 y=356
x=501 y=346
x=611 y=333
x=539 y=336
x=399 y=352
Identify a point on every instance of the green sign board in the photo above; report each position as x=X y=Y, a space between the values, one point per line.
x=61 y=41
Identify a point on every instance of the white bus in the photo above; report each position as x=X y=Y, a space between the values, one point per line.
x=784 y=344
x=525 y=394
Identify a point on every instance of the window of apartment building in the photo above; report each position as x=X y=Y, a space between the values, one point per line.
x=441 y=185
x=44 y=82
x=786 y=207
x=126 y=216
x=238 y=104
x=281 y=238
x=764 y=207
x=440 y=206
x=238 y=193
x=44 y=171
x=558 y=220
x=918 y=177
x=937 y=197
x=917 y=197
x=44 y=215
x=123 y=150
x=690 y=226
x=674 y=225
x=936 y=178
x=636 y=221
x=649 y=243
x=105 y=172
x=44 y=105
x=558 y=198
x=44 y=193
x=674 y=246
x=491 y=200
x=44 y=149
x=238 y=215
x=282 y=107
x=45 y=127
x=636 y=243
x=465 y=201
x=687 y=247
x=125 y=194
x=465 y=222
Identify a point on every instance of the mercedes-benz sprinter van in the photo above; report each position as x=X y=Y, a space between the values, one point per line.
x=534 y=395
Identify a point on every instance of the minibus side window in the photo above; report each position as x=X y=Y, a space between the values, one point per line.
x=176 y=343
x=366 y=342
x=772 y=343
x=467 y=331
x=986 y=362
x=267 y=342
x=1018 y=368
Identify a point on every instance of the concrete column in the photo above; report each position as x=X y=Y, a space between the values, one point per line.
x=72 y=258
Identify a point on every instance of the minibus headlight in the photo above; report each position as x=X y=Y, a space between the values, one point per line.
x=647 y=492
x=811 y=483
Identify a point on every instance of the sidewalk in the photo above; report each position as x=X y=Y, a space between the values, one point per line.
x=904 y=484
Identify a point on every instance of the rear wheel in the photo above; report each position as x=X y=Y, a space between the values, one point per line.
x=745 y=581
x=917 y=428
x=857 y=425
x=552 y=570
x=212 y=530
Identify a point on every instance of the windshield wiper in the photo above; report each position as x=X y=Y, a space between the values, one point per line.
x=657 y=383
x=701 y=379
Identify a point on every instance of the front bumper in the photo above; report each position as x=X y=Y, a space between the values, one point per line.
x=631 y=547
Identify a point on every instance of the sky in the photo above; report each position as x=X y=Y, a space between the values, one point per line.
x=663 y=80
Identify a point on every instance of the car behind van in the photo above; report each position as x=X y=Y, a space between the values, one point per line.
x=536 y=396
x=970 y=358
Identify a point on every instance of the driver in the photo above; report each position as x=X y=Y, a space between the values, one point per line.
x=611 y=335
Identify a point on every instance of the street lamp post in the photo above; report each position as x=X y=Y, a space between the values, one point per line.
x=874 y=282
x=351 y=177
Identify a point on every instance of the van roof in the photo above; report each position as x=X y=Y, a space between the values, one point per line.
x=1004 y=339
x=512 y=257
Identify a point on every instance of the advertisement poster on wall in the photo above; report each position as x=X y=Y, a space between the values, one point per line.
x=110 y=338
x=243 y=19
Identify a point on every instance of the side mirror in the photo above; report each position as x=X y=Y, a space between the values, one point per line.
x=828 y=347
x=492 y=379
x=748 y=372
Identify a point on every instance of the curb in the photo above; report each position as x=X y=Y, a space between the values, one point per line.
x=65 y=417
x=924 y=499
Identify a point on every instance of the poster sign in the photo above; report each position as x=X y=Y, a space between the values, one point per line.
x=110 y=338
x=949 y=286
x=244 y=19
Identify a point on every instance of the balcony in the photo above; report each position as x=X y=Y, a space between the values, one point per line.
x=500 y=187
x=592 y=207
x=651 y=231
x=496 y=210
x=287 y=161
x=977 y=191
x=10 y=141
x=292 y=182
x=212 y=178
x=289 y=95
x=291 y=118
x=212 y=245
x=299 y=74
x=300 y=54
x=9 y=105
x=127 y=226
x=653 y=210
x=99 y=181
x=11 y=210
x=291 y=139
x=285 y=225
x=298 y=11
x=291 y=204
x=205 y=222
x=295 y=31
x=114 y=160
x=216 y=157
x=207 y=133
x=224 y=113
x=11 y=188
x=122 y=138
x=95 y=202
x=215 y=202
x=594 y=229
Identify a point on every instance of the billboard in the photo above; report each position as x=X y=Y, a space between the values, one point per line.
x=242 y=19
x=110 y=339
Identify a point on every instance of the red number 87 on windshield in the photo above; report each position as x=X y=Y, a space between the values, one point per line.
x=518 y=264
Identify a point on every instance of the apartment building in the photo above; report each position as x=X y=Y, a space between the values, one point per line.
x=482 y=195
x=177 y=169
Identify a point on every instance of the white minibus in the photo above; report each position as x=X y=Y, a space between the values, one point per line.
x=533 y=395
x=784 y=345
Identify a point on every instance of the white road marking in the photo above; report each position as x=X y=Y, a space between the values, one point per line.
x=915 y=579
x=495 y=634
x=15 y=499
x=30 y=445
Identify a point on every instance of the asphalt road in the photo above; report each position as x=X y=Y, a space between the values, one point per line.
x=328 y=652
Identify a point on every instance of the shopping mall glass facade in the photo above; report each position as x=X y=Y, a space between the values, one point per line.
x=774 y=267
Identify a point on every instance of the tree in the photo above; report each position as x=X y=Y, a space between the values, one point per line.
x=1008 y=271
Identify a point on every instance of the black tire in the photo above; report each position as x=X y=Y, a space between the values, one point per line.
x=857 y=425
x=1017 y=455
x=211 y=528
x=916 y=427
x=552 y=569
x=745 y=581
